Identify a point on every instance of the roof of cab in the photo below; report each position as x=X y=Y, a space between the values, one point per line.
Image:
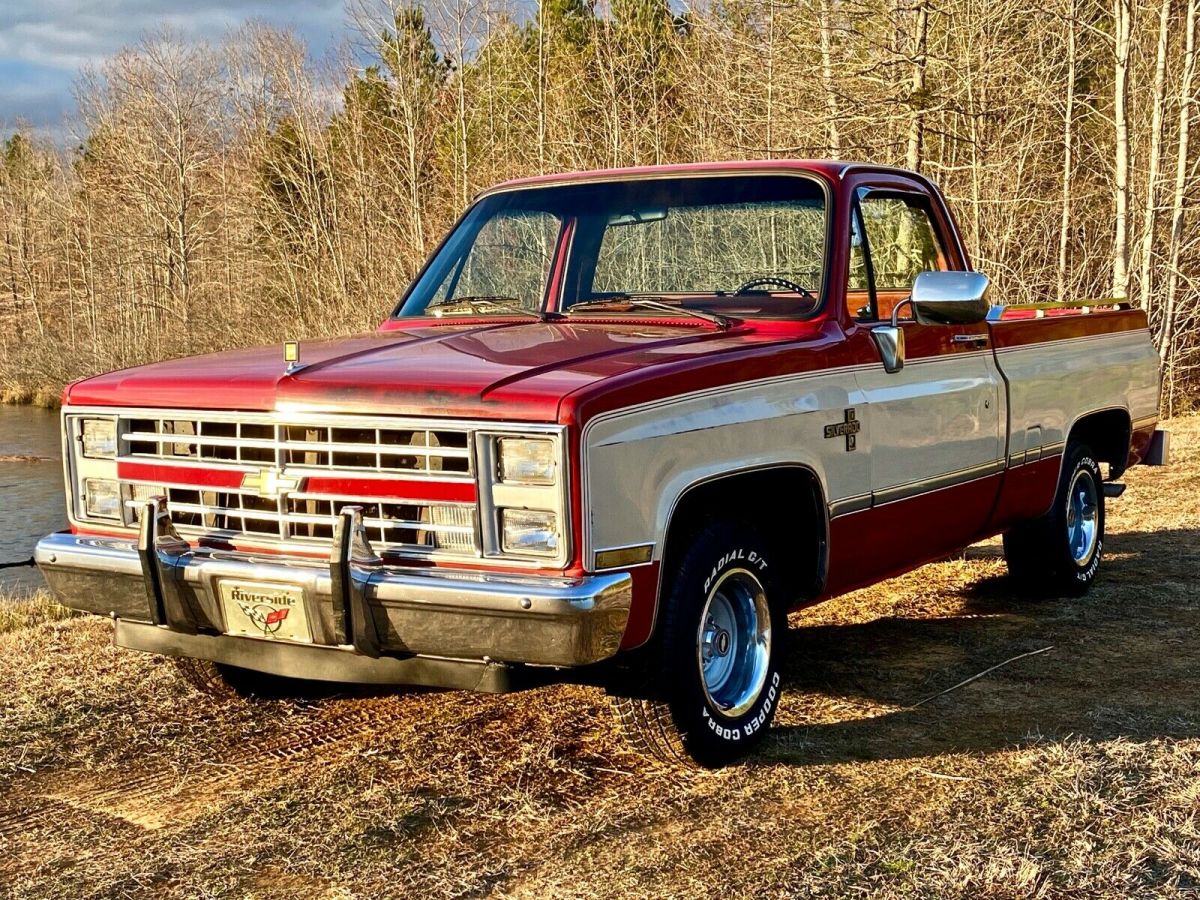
x=831 y=169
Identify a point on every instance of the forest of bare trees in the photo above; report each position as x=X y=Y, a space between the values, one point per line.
x=221 y=195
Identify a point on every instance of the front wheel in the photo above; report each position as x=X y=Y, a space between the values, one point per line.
x=713 y=690
x=225 y=682
x=1060 y=552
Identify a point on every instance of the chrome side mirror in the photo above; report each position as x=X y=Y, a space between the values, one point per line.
x=938 y=298
x=949 y=298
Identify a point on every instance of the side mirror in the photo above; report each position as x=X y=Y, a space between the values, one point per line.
x=950 y=298
x=938 y=298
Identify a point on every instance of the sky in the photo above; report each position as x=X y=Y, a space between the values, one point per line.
x=44 y=43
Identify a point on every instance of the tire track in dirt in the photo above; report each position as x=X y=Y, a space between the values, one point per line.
x=163 y=797
x=33 y=851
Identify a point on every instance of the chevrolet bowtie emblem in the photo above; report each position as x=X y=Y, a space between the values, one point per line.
x=270 y=483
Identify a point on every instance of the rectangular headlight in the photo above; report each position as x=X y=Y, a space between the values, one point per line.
x=528 y=531
x=99 y=438
x=525 y=461
x=101 y=498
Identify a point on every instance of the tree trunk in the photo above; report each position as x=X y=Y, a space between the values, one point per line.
x=771 y=79
x=916 y=127
x=1167 y=330
x=1068 y=172
x=833 y=140
x=542 y=63
x=1150 y=214
x=1122 y=20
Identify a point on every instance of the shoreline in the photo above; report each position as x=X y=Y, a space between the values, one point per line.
x=42 y=398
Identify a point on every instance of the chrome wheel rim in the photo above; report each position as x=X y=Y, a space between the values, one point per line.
x=733 y=643
x=1083 y=516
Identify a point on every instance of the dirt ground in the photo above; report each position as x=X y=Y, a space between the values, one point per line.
x=1070 y=773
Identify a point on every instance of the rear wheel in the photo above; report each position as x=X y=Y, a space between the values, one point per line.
x=713 y=689
x=1060 y=552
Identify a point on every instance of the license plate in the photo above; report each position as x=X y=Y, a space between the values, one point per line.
x=274 y=611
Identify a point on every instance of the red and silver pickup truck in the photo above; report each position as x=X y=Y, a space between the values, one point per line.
x=620 y=424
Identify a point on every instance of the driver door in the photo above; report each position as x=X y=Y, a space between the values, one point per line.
x=937 y=425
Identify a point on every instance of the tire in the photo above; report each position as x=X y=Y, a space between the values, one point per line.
x=711 y=689
x=225 y=682
x=1060 y=553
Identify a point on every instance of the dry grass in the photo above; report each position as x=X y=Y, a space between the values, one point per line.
x=44 y=397
x=26 y=612
x=1075 y=772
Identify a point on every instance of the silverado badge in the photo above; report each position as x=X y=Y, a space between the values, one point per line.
x=848 y=427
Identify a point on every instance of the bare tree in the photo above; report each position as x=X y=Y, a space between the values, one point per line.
x=1068 y=151
x=917 y=99
x=1183 y=169
x=1150 y=212
x=250 y=193
x=1122 y=43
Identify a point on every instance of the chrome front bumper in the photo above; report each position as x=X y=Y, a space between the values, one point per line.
x=364 y=612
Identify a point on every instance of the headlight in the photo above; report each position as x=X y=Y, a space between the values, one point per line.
x=99 y=438
x=525 y=461
x=528 y=531
x=101 y=498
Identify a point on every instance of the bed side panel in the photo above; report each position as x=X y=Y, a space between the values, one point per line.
x=1059 y=370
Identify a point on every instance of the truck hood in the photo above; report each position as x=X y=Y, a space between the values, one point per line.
x=514 y=371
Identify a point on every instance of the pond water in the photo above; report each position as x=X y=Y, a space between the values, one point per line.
x=31 y=493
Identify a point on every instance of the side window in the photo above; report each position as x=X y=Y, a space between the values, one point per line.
x=901 y=243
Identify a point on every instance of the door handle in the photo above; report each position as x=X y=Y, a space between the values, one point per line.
x=970 y=339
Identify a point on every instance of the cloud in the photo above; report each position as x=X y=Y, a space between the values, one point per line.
x=37 y=96
x=44 y=43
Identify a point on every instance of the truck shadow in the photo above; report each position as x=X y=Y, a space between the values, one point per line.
x=1125 y=662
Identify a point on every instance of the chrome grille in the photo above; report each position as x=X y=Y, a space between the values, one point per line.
x=333 y=447
x=383 y=448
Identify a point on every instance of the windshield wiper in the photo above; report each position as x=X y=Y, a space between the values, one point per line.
x=482 y=303
x=722 y=322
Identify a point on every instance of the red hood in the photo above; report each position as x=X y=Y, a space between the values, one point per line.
x=517 y=371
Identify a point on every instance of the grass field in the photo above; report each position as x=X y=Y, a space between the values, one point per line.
x=1073 y=772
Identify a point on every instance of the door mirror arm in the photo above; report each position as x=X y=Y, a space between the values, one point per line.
x=889 y=340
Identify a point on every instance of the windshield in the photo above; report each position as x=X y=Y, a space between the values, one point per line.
x=742 y=245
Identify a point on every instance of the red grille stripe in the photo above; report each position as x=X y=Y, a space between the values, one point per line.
x=384 y=488
x=394 y=488
x=191 y=477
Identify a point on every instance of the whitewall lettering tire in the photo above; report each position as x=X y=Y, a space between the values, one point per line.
x=714 y=686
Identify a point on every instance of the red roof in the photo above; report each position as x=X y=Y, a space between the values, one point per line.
x=829 y=168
